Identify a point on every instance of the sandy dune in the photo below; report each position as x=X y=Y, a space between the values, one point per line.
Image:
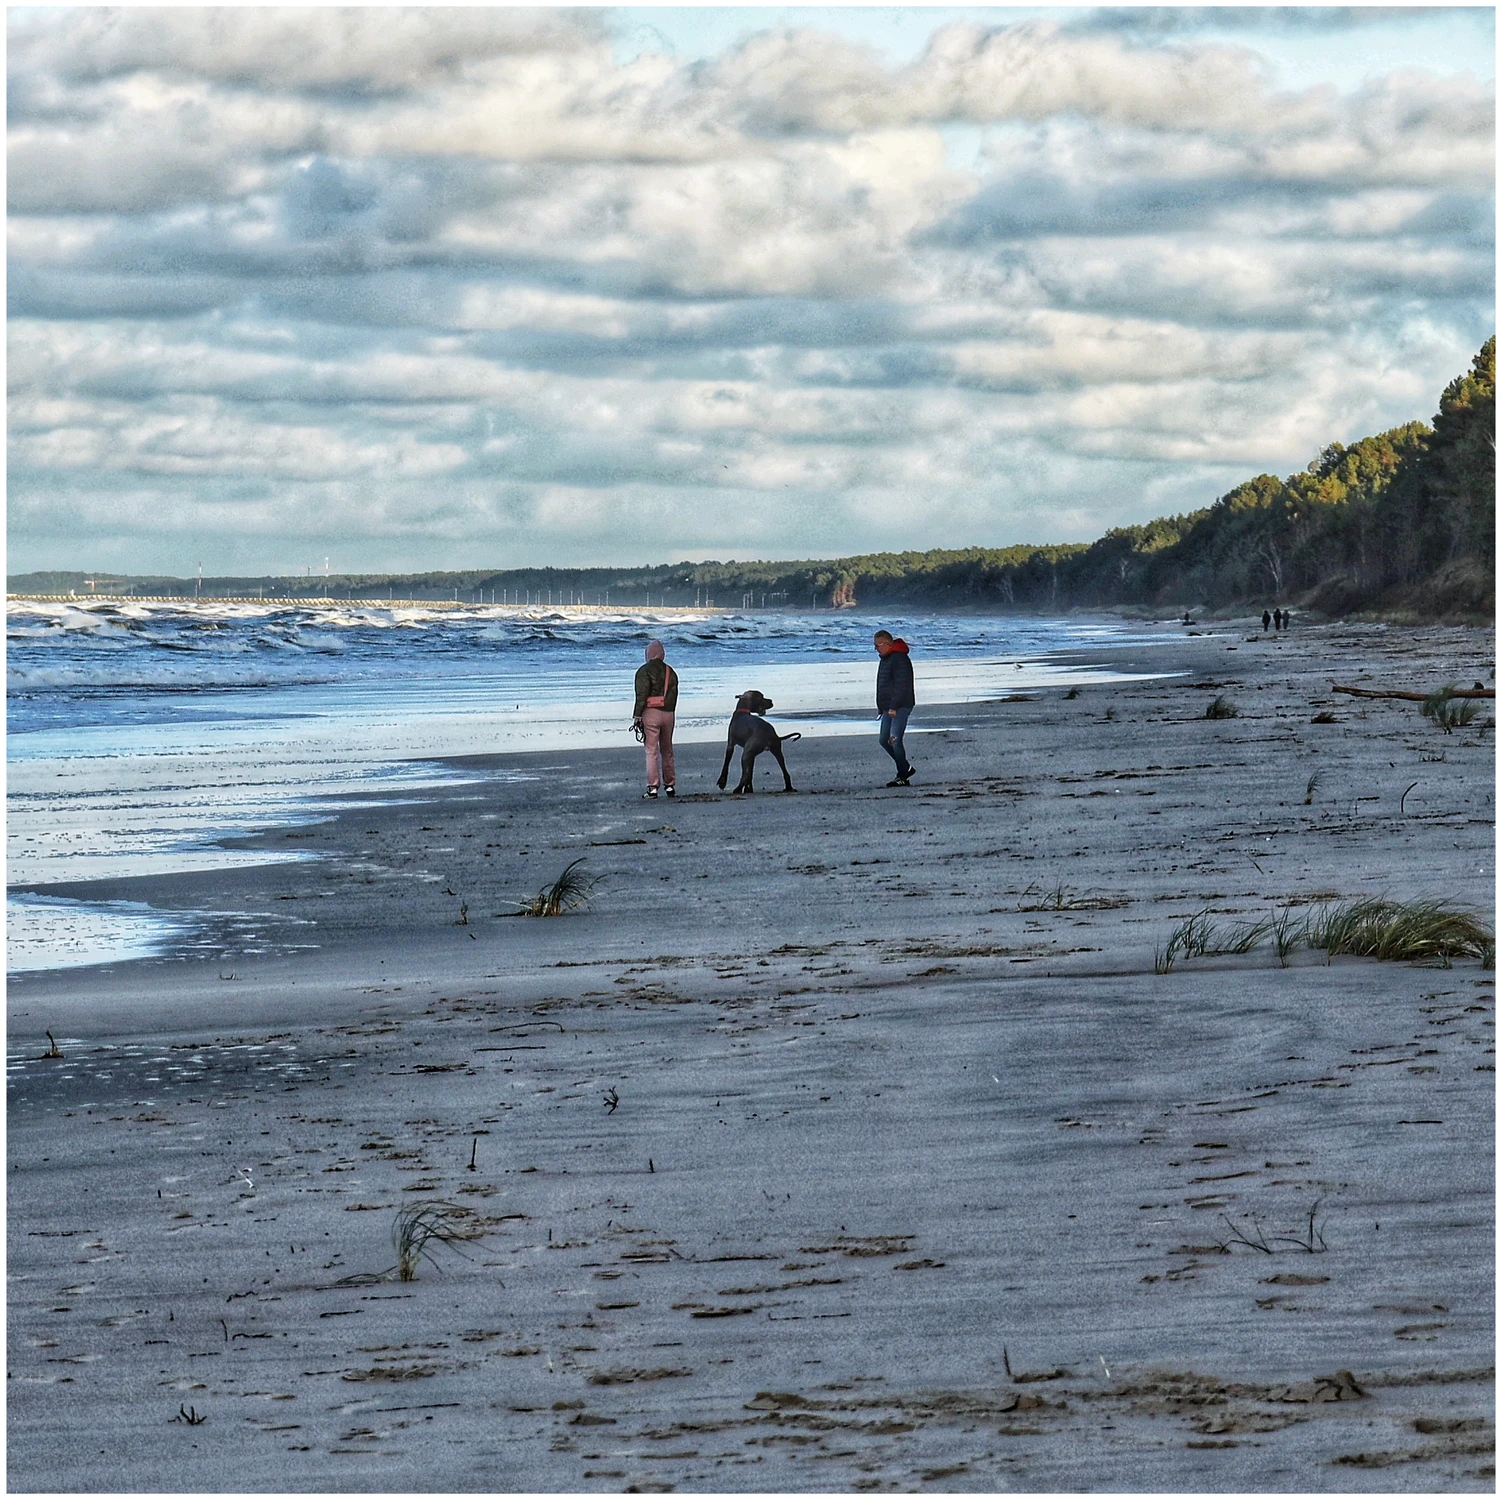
x=847 y=1141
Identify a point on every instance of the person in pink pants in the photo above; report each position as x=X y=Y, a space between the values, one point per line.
x=656 y=702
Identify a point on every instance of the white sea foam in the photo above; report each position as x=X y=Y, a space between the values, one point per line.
x=52 y=932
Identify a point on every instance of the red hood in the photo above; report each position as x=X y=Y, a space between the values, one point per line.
x=898 y=645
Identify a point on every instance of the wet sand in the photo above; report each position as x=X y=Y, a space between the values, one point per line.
x=845 y=1141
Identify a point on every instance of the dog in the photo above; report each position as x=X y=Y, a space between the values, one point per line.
x=752 y=732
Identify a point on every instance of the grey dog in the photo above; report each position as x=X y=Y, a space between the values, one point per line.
x=752 y=732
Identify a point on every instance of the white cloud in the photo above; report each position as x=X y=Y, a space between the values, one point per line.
x=458 y=275
x=1036 y=71
x=282 y=47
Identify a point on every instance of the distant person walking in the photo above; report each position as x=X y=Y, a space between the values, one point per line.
x=1277 y=619
x=1267 y=620
x=894 y=700
x=656 y=702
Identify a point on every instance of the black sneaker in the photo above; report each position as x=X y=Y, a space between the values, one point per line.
x=900 y=781
x=669 y=792
x=650 y=794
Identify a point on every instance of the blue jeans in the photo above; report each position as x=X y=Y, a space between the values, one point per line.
x=890 y=739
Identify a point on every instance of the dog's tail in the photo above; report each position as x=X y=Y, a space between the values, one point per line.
x=784 y=738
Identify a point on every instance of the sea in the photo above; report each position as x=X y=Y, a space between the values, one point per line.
x=143 y=734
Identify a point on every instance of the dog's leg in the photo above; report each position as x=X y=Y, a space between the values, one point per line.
x=787 y=781
x=725 y=769
x=748 y=765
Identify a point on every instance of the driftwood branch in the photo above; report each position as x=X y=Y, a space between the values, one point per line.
x=1357 y=692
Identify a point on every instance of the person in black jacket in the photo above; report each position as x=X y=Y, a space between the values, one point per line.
x=894 y=700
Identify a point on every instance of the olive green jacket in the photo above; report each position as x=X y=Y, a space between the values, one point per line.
x=649 y=684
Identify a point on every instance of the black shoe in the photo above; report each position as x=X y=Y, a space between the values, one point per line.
x=650 y=794
x=900 y=781
x=669 y=791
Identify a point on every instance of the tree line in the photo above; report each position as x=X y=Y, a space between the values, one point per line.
x=1400 y=524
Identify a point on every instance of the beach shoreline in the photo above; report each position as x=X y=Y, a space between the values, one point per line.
x=141 y=747
x=900 y=1110
x=131 y=786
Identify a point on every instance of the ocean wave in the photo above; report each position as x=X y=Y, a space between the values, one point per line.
x=75 y=623
x=156 y=676
x=317 y=640
x=373 y=634
x=78 y=613
x=74 y=649
x=54 y=635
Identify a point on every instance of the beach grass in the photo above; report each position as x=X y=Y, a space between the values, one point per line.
x=1244 y=937
x=572 y=889
x=1062 y=897
x=1192 y=938
x=1422 y=931
x=1447 y=711
x=1286 y=933
x=419 y=1224
x=1411 y=931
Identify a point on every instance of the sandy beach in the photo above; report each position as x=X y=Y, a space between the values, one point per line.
x=845 y=1141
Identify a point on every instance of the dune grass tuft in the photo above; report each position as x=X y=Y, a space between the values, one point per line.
x=1447 y=711
x=1411 y=931
x=1192 y=938
x=1244 y=937
x=1222 y=707
x=1197 y=935
x=419 y=1224
x=572 y=889
x=1424 y=931
x=1066 y=898
x=1285 y=933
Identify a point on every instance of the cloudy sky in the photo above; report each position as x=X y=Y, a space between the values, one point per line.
x=419 y=288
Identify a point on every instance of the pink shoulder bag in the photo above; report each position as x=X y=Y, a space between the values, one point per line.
x=660 y=700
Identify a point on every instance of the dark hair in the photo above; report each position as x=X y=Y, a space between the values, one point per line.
x=884 y=635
